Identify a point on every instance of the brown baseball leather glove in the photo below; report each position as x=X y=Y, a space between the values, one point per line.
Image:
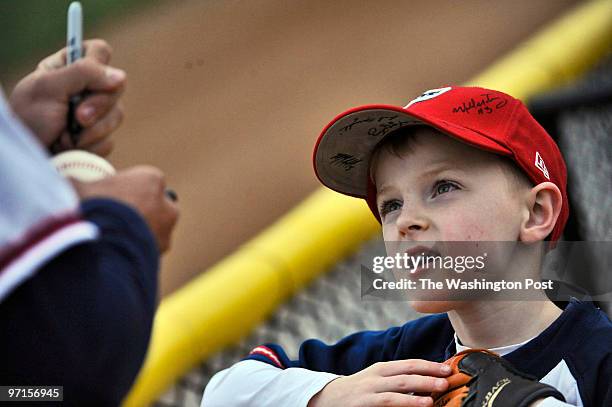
x=482 y=378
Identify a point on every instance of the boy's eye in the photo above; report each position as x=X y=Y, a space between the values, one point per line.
x=390 y=206
x=442 y=187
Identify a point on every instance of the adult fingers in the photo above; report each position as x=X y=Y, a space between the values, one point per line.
x=100 y=130
x=103 y=148
x=85 y=74
x=97 y=49
x=95 y=139
x=53 y=61
x=167 y=212
x=98 y=105
x=412 y=366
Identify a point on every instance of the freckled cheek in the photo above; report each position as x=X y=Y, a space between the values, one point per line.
x=464 y=228
x=389 y=232
x=484 y=226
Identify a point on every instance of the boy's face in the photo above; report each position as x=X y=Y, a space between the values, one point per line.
x=437 y=189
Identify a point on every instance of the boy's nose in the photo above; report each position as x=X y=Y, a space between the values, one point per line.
x=411 y=224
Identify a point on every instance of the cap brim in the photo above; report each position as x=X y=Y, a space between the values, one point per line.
x=342 y=153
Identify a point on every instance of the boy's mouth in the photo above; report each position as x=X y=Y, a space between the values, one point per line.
x=422 y=251
x=419 y=254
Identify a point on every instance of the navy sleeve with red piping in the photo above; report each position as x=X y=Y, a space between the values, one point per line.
x=424 y=338
x=84 y=320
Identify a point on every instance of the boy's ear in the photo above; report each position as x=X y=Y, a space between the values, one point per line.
x=544 y=203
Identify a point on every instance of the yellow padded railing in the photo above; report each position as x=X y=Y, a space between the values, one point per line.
x=225 y=303
x=559 y=53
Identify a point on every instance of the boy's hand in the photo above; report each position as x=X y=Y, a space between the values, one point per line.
x=142 y=188
x=481 y=378
x=386 y=384
x=41 y=98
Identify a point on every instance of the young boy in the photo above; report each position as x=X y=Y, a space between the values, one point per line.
x=455 y=164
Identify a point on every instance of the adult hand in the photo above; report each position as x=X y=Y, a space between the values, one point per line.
x=386 y=384
x=144 y=189
x=41 y=98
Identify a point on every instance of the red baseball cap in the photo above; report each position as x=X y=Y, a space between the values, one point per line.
x=487 y=119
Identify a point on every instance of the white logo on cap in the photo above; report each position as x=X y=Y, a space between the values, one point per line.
x=539 y=163
x=428 y=94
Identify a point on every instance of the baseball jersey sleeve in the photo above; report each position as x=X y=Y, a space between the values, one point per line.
x=84 y=320
x=424 y=338
x=250 y=383
x=268 y=377
x=348 y=356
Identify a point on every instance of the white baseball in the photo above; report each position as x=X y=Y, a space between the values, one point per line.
x=82 y=166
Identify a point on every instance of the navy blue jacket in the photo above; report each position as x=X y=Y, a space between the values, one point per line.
x=83 y=321
x=580 y=341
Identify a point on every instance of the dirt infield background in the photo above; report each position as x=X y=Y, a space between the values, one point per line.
x=227 y=97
